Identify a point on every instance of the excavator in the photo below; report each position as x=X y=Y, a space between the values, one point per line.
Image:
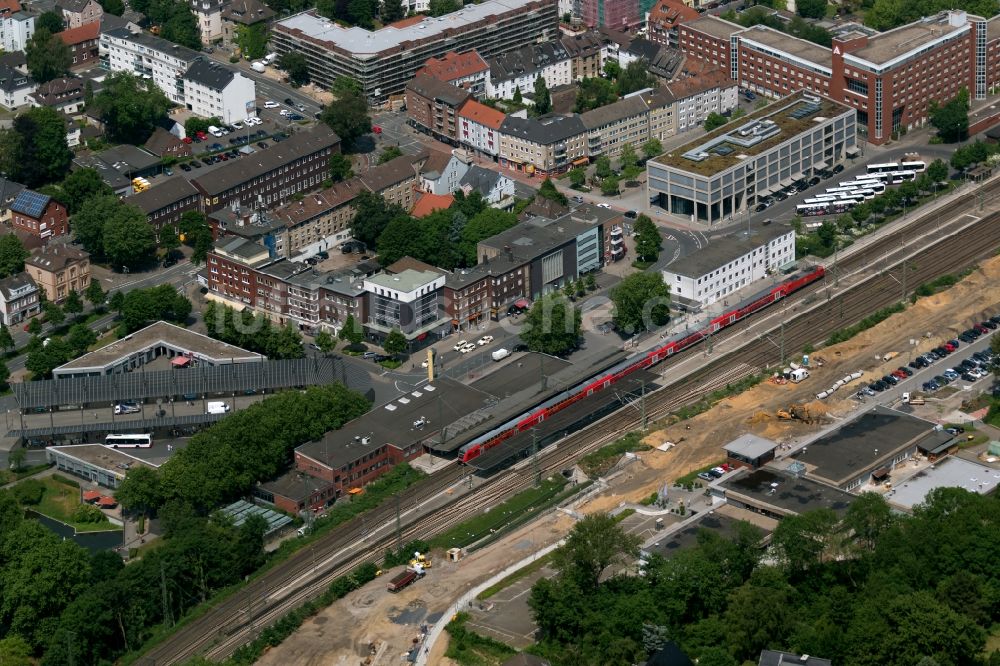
x=798 y=413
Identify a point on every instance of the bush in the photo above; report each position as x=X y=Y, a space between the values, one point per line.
x=59 y=478
x=404 y=554
x=878 y=317
x=29 y=492
x=86 y=513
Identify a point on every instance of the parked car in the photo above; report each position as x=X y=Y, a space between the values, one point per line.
x=631 y=214
x=837 y=168
x=906 y=371
x=485 y=340
x=271 y=104
x=261 y=144
x=184 y=166
x=814 y=181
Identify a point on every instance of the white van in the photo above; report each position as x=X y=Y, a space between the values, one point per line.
x=217 y=408
x=500 y=354
x=215 y=131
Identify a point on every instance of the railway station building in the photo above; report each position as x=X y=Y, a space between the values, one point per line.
x=720 y=176
x=729 y=264
x=95 y=462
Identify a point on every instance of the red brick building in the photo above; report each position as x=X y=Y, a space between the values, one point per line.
x=433 y=106
x=83 y=43
x=39 y=215
x=230 y=269
x=665 y=17
x=464 y=70
x=890 y=78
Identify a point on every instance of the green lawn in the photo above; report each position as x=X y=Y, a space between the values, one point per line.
x=523 y=572
x=58 y=502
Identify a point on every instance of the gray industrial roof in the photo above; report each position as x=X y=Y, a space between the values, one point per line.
x=201 y=380
x=361 y=42
x=526 y=60
x=165 y=193
x=951 y=472
x=750 y=446
x=721 y=251
x=528 y=240
x=785 y=492
x=241 y=510
x=433 y=89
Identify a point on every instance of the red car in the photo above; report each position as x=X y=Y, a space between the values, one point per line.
x=376 y=129
x=899 y=374
x=950 y=347
x=982 y=329
x=186 y=139
x=202 y=136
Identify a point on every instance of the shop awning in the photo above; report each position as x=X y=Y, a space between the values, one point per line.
x=785 y=183
x=355 y=491
x=91 y=495
x=580 y=161
x=180 y=362
x=852 y=152
x=820 y=165
x=798 y=176
x=522 y=303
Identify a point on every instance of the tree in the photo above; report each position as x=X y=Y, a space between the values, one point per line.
x=340 y=167
x=35 y=326
x=392 y=11
x=628 y=158
x=609 y=186
x=4 y=376
x=591 y=282
x=348 y=117
x=442 y=7
x=715 y=121
x=577 y=176
x=806 y=540
x=54 y=314
x=196 y=234
x=389 y=154
x=361 y=13
x=647 y=239
x=372 y=215
x=113 y=7
x=80 y=337
x=395 y=344
x=652 y=148
x=12 y=255
x=47 y=55
x=117 y=302
x=593 y=93
x=552 y=326
x=951 y=119
x=602 y=167
x=867 y=519
x=351 y=332
x=548 y=191
x=296 y=66
x=130 y=107
x=180 y=25
x=325 y=341
x=83 y=184
x=612 y=69
x=543 y=100
x=43 y=358
x=595 y=543
x=34 y=150
x=815 y=9
x=641 y=302
x=252 y=40
x=634 y=77
x=345 y=85
x=937 y=171
x=95 y=293
x=51 y=21
x=88 y=222
x=6 y=339
x=168 y=241
x=517 y=98
x=484 y=224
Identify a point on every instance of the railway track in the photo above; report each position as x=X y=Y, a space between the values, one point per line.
x=304 y=575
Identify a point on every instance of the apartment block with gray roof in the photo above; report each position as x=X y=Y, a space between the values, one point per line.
x=518 y=69
x=548 y=144
x=19 y=299
x=148 y=57
x=212 y=90
x=385 y=60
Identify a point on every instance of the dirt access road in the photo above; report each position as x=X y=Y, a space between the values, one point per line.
x=341 y=634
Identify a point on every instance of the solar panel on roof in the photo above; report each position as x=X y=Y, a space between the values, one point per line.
x=30 y=203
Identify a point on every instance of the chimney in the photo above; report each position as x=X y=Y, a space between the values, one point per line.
x=244 y=219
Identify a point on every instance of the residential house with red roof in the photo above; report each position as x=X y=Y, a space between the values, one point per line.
x=463 y=70
x=428 y=203
x=664 y=17
x=479 y=126
x=84 y=42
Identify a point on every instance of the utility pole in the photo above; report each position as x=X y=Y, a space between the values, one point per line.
x=784 y=310
x=399 y=528
x=536 y=469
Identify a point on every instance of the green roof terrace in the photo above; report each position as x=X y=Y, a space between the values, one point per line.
x=751 y=135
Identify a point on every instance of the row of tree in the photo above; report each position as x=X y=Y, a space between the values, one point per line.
x=253 y=332
x=594 y=92
x=867 y=588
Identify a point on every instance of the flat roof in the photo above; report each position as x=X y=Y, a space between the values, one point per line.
x=407 y=280
x=101 y=456
x=906 y=39
x=787 y=493
x=714 y=26
x=750 y=446
x=201 y=380
x=533 y=238
x=687 y=535
x=780 y=112
x=721 y=251
x=443 y=403
x=800 y=48
x=951 y=472
x=866 y=442
x=295 y=485
x=361 y=42
x=161 y=333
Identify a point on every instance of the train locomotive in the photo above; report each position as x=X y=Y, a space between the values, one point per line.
x=541 y=412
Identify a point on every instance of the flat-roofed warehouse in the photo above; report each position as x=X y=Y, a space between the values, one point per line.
x=729 y=170
x=94 y=462
x=384 y=60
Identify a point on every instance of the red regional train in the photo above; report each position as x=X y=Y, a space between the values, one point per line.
x=543 y=411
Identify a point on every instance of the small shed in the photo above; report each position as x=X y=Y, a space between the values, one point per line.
x=750 y=451
x=107 y=502
x=91 y=496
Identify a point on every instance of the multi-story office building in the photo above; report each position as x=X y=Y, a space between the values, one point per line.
x=410 y=301
x=149 y=57
x=272 y=176
x=720 y=175
x=385 y=60
x=212 y=90
x=889 y=78
x=729 y=264
x=518 y=69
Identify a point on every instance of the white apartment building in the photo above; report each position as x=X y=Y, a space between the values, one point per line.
x=212 y=90
x=15 y=31
x=443 y=178
x=729 y=264
x=15 y=87
x=517 y=70
x=209 y=13
x=479 y=127
x=697 y=97
x=149 y=57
